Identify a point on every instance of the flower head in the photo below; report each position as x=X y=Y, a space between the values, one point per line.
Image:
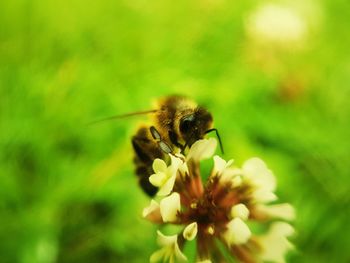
x=219 y=210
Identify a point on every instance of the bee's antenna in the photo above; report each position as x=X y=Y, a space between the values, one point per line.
x=217 y=135
x=122 y=116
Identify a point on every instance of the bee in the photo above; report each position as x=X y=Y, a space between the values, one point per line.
x=177 y=123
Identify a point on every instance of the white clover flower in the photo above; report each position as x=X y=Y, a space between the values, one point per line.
x=170 y=250
x=218 y=210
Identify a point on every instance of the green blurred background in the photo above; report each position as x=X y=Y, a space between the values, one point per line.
x=274 y=74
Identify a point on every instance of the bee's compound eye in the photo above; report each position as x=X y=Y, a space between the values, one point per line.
x=186 y=124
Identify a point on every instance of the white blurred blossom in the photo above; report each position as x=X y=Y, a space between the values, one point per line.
x=276 y=24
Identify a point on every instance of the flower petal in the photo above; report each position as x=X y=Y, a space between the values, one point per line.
x=283 y=211
x=275 y=244
x=157 y=256
x=164 y=178
x=169 y=206
x=176 y=161
x=179 y=256
x=152 y=213
x=237 y=232
x=170 y=250
x=282 y=229
x=241 y=211
x=159 y=166
x=190 y=231
x=167 y=187
x=164 y=240
x=256 y=171
x=220 y=164
x=157 y=179
x=263 y=196
x=150 y=209
x=202 y=149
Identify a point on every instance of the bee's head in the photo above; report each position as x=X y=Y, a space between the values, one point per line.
x=193 y=126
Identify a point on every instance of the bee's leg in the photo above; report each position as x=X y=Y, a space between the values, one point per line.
x=165 y=147
x=155 y=134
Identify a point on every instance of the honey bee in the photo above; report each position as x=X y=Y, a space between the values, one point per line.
x=178 y=122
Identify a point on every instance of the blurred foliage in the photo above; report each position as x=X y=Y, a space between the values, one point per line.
x=67 y=191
